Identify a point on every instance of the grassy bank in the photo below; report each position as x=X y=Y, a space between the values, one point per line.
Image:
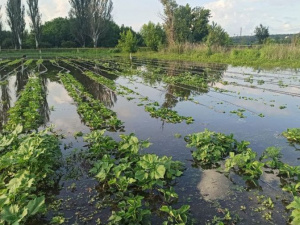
x=267 y=56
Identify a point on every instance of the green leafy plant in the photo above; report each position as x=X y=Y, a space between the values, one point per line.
x=130 y=211
x=295 y=206
x=271 y=156
x=245 y=164
x=176 y=216
x=212 y=147
x=293 y=135
x=27 y=163
x=168 y=115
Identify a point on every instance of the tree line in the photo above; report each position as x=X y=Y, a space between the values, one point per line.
x=88 y=21
x=90 y=24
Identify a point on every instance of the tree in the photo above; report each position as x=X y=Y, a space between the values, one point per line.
x=217 y=36
x=128 y=42
x=100 y=15
x=261 y=33
x=200 y=26
x=0 y=28
x=153 y=35
x=169 y=19
x=35 y=17
x=56 y=32
x=15 y=13
x=183 y=23
x=80 y=14
x=112 y=35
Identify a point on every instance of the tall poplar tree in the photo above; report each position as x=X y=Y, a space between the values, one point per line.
x=99 y=18
x=35 y=17
x=169 y=19
x=79 y=14
x=0 y=28
x=16 y=21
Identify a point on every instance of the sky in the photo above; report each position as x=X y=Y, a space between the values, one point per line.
x=281 y=16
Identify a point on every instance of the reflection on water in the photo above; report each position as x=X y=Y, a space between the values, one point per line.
x=213 y=185
x=44 y=108
x=99 y=92
x=5 y=104
x=21 y=79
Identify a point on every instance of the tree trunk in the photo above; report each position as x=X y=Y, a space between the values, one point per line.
x=95 y=40
x=36 y=43
x=20 y=42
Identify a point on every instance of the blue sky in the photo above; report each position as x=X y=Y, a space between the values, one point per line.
x=281 y=16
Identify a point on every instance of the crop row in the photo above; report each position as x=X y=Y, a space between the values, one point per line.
x=93 y=112
x=26 y=111
x=27 y=161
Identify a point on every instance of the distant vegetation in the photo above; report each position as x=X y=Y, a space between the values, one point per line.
x=186 y=33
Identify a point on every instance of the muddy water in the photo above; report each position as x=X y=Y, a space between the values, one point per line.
x=208 y=192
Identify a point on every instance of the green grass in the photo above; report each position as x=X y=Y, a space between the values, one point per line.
x=266 y=56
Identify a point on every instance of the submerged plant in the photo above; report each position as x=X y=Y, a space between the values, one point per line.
x=293 y=135
x=212 y=147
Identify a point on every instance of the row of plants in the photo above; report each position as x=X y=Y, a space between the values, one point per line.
x=186 y=79
x=167 y=115
x=28 y=62
x=4 y=61
x=16 y=61
x=39 y=62
x=93 y=112
x=136 y=186
x=28 y=159
x=27 y=166
x=212 y=148
x=26 y=111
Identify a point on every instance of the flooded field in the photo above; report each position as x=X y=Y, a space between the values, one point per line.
x=115 y=177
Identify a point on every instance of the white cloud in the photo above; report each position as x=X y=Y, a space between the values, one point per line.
x=247 y=14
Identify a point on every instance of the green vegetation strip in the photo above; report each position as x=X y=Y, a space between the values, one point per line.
x=28 y=62
x=131 y=180
x=27 y=161
x=168 y=115
x=4 y=61
x=27 y=109
x=93 y=112
x=39 y=62
x=27 y=166
x=212 y=148
x=12 y=63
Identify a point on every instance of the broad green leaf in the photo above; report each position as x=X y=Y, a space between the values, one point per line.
x=160 y=172
x=36 y=205
x=11 y=214
x=141 y=175
x=295 y=204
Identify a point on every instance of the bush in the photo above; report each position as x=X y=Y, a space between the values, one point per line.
x=128 y=42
